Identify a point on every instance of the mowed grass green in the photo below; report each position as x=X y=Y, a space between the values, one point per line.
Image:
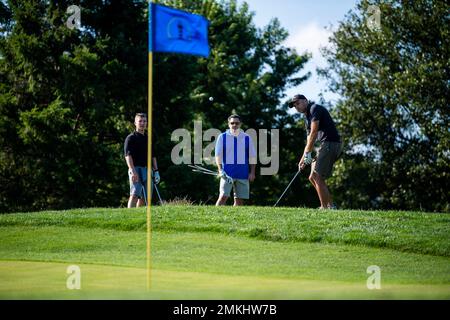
x=201 y=252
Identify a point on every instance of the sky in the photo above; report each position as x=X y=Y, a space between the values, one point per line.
x=305 y=20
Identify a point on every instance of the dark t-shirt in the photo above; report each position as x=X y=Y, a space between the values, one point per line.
x=327 y=127
x=136 y=146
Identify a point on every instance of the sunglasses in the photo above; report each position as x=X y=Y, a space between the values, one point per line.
x=233 y=123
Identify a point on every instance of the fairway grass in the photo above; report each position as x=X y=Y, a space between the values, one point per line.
x=46 y=280
x=215 y=253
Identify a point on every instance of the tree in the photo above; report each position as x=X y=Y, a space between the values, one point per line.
x=67 y=97
x=64 y=102
x=394 y=112
x=247 y=73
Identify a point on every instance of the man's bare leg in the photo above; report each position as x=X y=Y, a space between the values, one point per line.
x=140 y=203
x=222 y=200
x=132 y=201
x=322 y=190
x=313 y=182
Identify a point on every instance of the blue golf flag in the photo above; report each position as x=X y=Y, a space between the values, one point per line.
x=172 y=30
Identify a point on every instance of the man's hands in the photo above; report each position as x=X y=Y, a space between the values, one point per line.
x=228 y=179
x=306 y=160
x=224 y=175
x=156 y=176
x=134 y=175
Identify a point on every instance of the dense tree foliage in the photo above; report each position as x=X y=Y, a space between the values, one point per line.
x=68 y=97
x=394 y=114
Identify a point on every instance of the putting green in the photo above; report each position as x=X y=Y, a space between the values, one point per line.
x=44 y=280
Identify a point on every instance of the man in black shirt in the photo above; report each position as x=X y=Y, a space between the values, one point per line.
x=135 y=150
x=319 y=126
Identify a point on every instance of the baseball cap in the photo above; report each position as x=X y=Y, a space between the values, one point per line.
x=296 y=98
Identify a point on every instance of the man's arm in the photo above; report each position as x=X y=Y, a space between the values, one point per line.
x=155 y=164
x=218 y=153
x=310 y=142
x=312 y=136
x=130 y=164
x=252 y=160
x=219 y=164
x=252 y=175
x=128 y=147
x=156 y=176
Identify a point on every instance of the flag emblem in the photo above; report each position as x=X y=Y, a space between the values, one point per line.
x=178 y=31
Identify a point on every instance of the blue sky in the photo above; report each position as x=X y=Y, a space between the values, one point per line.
x=305 y=21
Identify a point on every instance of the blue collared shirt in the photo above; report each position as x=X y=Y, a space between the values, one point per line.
x=235 y=153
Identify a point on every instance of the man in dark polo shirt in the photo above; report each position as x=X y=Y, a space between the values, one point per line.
x=320 y=127
x=135 y=149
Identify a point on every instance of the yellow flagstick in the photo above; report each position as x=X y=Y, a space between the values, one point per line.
x=149 y=159
x=149 y=166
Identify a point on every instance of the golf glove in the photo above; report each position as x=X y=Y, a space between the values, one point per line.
x=307 y=159
x=227 y=178
x=156 y=177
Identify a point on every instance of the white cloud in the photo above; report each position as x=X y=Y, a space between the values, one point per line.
x=310 y=38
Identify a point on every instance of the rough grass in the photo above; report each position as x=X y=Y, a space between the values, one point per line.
x=201 y=252
x=415 y=232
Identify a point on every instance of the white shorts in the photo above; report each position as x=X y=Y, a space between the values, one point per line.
x=241 y=188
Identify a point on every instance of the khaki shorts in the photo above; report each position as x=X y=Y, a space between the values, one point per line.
x=327 y=154
x=241 y=188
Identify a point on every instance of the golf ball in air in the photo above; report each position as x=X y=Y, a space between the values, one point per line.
x=211 y=99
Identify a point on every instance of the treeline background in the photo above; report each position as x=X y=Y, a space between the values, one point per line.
x=68 y=99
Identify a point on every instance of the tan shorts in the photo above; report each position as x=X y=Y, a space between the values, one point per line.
x=241 y=188
x=327 y=154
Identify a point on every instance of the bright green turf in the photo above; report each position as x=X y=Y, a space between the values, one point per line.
x=225 y=253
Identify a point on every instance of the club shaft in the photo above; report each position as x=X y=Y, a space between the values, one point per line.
x=202 y=169
x=207 y=173
x=157 y=192
x=287 y=188
x=144 y=193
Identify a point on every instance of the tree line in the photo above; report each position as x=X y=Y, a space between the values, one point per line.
x=68 y=99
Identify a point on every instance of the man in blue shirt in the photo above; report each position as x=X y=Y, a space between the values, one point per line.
x=319 y=126
x=236 y=162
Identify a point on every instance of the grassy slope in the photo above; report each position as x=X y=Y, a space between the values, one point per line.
x=285 y=250
x=404 y=231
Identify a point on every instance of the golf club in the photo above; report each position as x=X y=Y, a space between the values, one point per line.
x=203 y=168
x=157 y=192
x=285 y=190
x=199 y=171
x=291 y=183
x=145 y=195
x=197 y=167
x=200 y=168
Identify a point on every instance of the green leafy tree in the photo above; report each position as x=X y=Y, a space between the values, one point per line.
x=68 y=98
x=65 y=100
x=247 y=73
x=394 y=114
